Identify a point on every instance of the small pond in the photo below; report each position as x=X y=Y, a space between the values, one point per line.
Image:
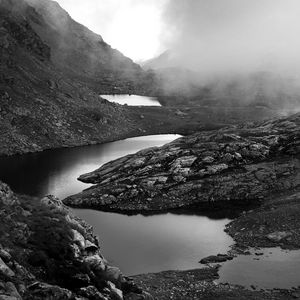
x=132 y=100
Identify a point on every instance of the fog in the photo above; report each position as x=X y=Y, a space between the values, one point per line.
x=238 y=48
x=233 y=35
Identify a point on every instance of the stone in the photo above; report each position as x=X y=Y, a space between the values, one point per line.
x=5 y=270
x=78 y=238
x=96 y=263
x=216 y=168
x=5 y=255
x=89 y=246
x=114 y=275
x=278 y=236
x=12 y=290
x=115 y=293
x=208 y=159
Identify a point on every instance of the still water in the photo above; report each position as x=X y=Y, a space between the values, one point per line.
x=141 y=244
x=56 y=171
x=137 y=244
x=132 y=100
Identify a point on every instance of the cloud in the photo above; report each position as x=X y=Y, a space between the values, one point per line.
x=214 y=36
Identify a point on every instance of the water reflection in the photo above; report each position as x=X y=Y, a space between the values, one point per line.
x=277 y=268
x=140 y=244
x=56 y=171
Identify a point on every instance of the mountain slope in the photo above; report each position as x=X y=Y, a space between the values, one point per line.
x=47 y=96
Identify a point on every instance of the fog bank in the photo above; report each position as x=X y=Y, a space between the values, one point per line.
x=233 y=35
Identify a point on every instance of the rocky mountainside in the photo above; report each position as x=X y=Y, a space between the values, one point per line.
x=49 y=68
x=48 y=253
x=236 y=165
x=77 y=51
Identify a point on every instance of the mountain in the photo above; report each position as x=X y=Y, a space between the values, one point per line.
x=75 y=49
x=52 y=70
x=164 y=60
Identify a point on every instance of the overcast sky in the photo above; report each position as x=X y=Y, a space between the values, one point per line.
x=207 y=34
x=132 y=26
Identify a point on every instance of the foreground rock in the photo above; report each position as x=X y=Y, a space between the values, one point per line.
x=47 y=253
x=238 y=165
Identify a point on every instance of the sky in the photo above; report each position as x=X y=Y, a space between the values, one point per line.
x=234 y=35
x=134 y=27
x=207 y=35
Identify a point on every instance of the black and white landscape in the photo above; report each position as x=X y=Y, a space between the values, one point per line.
x=149 y=149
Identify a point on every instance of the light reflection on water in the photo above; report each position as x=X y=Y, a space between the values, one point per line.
x=132 y=100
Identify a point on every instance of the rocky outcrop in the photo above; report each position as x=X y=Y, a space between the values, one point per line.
x=215 y=259
x=240 y=164
x=48 y=253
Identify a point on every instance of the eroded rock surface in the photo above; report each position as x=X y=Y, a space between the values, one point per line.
x=48 y=253
x=240 y=164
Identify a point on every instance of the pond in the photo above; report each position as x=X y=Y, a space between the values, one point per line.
x=132 y=100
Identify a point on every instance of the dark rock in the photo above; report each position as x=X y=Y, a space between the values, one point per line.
x=216 y=259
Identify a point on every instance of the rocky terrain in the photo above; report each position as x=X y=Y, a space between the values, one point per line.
x=201 y=284
x=239 y=165
x=48 y=253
